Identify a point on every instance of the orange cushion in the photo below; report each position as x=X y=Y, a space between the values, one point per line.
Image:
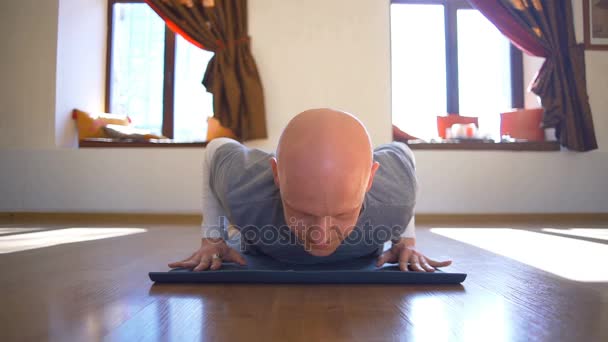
x=216 y=130
x=445 y=122
x=91 y=125
x=523 y=124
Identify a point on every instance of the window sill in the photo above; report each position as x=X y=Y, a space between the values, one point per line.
x=114 y=143
x=487 y=146
x=462 y=146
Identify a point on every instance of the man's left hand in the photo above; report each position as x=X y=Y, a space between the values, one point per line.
x=404 y=252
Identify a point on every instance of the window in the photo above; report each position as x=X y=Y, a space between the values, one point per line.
x=448 y=58
x=154 y=75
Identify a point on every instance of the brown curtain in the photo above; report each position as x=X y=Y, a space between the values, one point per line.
x=232 y=76
x=545 y=28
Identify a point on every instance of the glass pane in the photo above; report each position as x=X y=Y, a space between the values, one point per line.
x=193 y=104
x=138 y=45
x=484 y=70
x=418 y=68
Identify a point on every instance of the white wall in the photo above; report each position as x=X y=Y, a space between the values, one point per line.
x=310 y=53
x=318 y=53
x=81 y=63
x=27 y=66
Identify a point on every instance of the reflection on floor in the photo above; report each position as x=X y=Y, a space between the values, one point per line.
x=431 y=320
x=564 y=256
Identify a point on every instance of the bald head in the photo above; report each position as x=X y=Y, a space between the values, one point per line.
x=323 y=168
x=321 y=132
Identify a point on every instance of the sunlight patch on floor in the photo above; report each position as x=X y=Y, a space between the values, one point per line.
x=563 y=256
x=24 y=242
x=593 y=233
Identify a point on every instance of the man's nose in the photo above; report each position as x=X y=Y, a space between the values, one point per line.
x=321 y=231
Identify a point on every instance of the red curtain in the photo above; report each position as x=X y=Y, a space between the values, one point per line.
x=545 y=28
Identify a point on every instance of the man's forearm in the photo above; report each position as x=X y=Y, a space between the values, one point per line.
x=213 y=213
x=408 y=233
x=410 y=229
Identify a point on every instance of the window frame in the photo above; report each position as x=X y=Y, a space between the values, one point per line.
x=451 y=49
x=168 y=75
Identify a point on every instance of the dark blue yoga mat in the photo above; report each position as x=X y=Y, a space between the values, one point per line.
x=262 y=269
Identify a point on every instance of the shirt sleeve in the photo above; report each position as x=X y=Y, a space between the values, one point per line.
x=214 y=215
x=410 y=230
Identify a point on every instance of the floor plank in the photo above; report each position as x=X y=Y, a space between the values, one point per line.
x=99 y=290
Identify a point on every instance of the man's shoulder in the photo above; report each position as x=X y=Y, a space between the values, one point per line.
x=393 y=150
x=395 y=181
x=239 y=158
x=240 y=174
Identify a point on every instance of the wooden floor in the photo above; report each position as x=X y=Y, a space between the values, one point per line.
x=99 y=290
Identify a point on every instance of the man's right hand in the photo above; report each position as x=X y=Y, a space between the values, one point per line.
x=204 y=259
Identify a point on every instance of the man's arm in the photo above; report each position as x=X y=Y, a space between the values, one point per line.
x=403 y=249
x=214 y=214
x=410 y=229
x=213 y=249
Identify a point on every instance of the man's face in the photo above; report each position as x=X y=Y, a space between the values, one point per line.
x=322 y=208
x=323 y=195
x=321 y=233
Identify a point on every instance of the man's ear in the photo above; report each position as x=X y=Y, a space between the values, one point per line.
x=275 y=170
x=375 y=167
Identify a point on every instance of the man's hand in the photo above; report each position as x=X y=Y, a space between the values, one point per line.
x=210 y=256
x=405 y=252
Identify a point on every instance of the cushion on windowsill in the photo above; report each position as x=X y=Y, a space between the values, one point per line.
x=91 y=125
x=128 y=132
x=216 y=130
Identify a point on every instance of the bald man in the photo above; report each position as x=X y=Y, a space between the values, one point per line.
x=325 y=196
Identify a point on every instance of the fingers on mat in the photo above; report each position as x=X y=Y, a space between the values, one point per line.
x=383 y=259
x=216 y=263
x=203 y=265
x=184 y=262
x=404 y=258
x=426 y=265
x=439 y=263
x=415 y=264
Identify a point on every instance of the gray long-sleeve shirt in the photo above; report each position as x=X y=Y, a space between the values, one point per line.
x=241 y=187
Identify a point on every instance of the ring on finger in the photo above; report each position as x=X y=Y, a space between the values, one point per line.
x=216 y=256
